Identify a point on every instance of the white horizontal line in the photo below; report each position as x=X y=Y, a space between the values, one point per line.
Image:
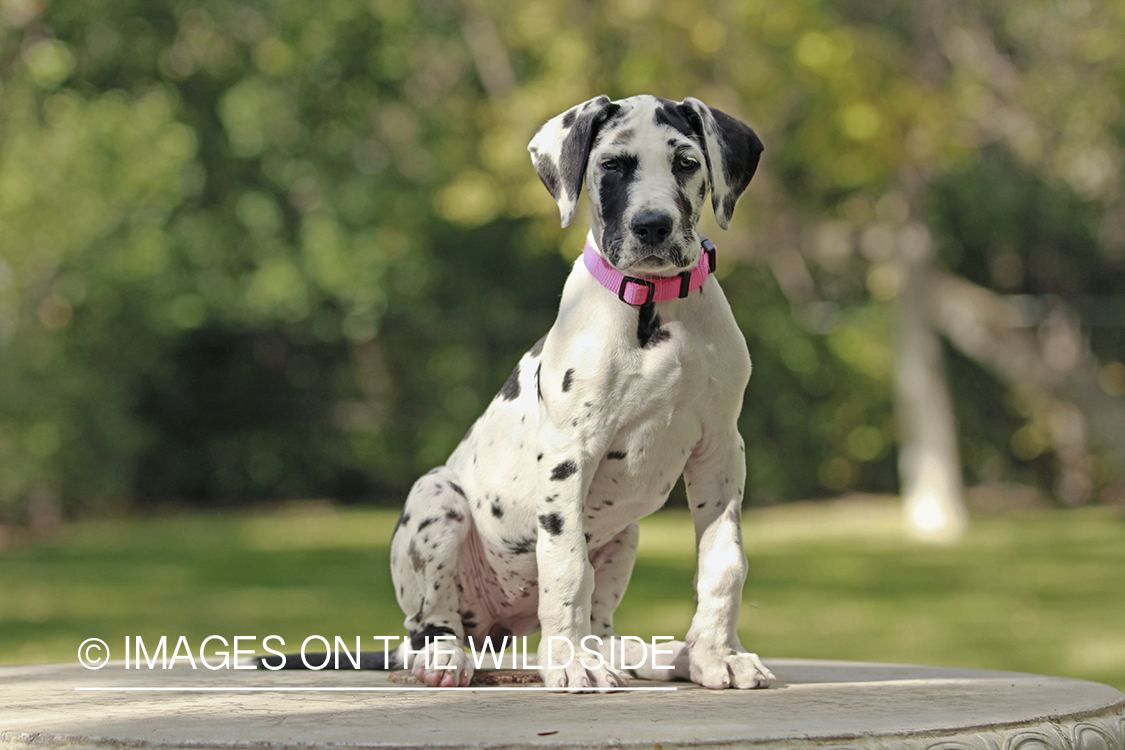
x=175 y=689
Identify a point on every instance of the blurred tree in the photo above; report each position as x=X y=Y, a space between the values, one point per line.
x=260 y=249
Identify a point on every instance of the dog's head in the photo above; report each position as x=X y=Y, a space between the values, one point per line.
x=647 y=164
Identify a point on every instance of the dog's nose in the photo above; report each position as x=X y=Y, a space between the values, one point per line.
x=651 y=227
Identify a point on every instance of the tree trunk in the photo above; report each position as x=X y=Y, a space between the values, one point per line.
x=929 y=460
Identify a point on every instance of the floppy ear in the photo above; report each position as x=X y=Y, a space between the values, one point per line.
x=732 y=150
x=561 y=148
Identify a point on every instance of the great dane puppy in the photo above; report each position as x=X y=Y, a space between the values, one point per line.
x=532 y=522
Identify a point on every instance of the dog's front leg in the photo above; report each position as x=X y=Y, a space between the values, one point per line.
x=715 y=477
x=566 y=576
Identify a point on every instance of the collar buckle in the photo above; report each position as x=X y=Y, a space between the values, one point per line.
x=650 y=290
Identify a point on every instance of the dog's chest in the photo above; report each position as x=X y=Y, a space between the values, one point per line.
x=653 y=421
x=625 y=403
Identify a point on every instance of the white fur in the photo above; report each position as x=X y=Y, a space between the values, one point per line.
x=601 y=426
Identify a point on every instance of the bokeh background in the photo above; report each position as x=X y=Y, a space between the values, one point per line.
x=255 y=251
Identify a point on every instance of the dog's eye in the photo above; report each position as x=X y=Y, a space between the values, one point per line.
x=610 y=165
x=687 y=164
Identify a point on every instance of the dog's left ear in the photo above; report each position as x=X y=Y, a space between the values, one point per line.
x=561 y=148
x=732 y=150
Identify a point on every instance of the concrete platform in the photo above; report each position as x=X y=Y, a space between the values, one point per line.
x=814 y=704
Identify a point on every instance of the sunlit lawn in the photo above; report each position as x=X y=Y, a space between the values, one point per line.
x=1040 y=591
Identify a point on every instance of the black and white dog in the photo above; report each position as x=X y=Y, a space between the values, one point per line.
x=532 y=522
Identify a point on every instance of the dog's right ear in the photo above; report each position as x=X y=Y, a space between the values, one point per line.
x=561 y=148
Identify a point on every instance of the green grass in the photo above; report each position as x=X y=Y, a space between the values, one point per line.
x=1040 y=591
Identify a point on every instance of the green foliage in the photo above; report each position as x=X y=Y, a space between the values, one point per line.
x=270 y=249
x=1004 y=226
x=1007 y=227
x=819 y=396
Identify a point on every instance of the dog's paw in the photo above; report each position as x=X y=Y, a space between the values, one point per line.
x=666 y=662
x=443 y=667
x=725 y=667
x=578 y=678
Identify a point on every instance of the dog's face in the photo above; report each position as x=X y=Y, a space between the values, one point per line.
x=648 y=164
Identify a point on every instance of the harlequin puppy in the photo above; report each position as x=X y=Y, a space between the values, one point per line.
x=532 y=522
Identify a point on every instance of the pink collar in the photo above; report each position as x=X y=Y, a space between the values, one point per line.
x=639 y=292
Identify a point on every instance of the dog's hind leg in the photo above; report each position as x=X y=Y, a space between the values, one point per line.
x=434 y=524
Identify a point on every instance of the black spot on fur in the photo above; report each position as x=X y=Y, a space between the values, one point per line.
x=616 y=455
x=402 y=520
x=497 y=511
x=569 y=118
x=552 y=523
x=511 y=389
x=457 y=488
x=418 y=639
x=659 y=335
x=453 y=515
x=538 y=348
x=521 y=546
x=568 y=380
x=417 y=562
x=563 y=470
x=538 y=387
x=649 y=332
x=672 y=115
x=427 y=522
x=613 y=199
x=687 y=210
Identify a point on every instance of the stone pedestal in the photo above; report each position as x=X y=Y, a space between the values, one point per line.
x=813 y=704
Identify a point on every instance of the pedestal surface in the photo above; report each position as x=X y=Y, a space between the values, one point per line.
x=814 y=704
